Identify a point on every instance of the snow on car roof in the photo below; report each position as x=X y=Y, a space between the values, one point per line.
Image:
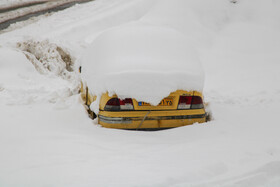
x=142 y=61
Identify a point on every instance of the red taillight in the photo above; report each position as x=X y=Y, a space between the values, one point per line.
x=197 y=102
x=116 y=104
x=190 y=102
x=126 y=104
x=185 y=102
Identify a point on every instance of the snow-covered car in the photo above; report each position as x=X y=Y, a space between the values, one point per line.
x=142 y=76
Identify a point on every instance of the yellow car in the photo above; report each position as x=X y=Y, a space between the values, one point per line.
x=144 y=61
x=178 y=109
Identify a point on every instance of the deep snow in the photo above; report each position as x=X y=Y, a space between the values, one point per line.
x=46 y=138
x=151 y=61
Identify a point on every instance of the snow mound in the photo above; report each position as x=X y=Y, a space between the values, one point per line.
x=48 y=58
x=21 y=84
x=141 y=61
x=198 y=19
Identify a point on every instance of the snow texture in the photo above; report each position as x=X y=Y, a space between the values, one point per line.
x=152 y=61
x=48 y=58
x=47 y=139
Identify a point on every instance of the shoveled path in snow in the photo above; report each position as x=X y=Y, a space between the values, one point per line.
x=25 y=11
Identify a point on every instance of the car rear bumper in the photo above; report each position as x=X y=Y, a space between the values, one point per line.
x=150 y=119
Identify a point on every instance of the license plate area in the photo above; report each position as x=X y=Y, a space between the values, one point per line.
x=165 y=102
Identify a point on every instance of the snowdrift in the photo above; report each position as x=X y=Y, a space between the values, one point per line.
x=141 y=61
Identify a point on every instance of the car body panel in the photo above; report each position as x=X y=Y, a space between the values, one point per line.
x=147 y=116
x=151 y=119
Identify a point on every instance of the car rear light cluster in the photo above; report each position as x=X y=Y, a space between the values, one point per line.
x=116 y=104
x=190 y=102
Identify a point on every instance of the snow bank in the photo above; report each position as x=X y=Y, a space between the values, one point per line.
x=14 y=61
x=48 y=58
x=198 y=19
x=21 y=84
x=141 y=61
x=246 y=51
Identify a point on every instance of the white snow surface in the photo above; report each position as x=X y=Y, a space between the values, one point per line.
x=46 y=138
x=151 y=61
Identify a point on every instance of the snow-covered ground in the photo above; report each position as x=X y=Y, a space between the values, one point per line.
x=46 y=138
